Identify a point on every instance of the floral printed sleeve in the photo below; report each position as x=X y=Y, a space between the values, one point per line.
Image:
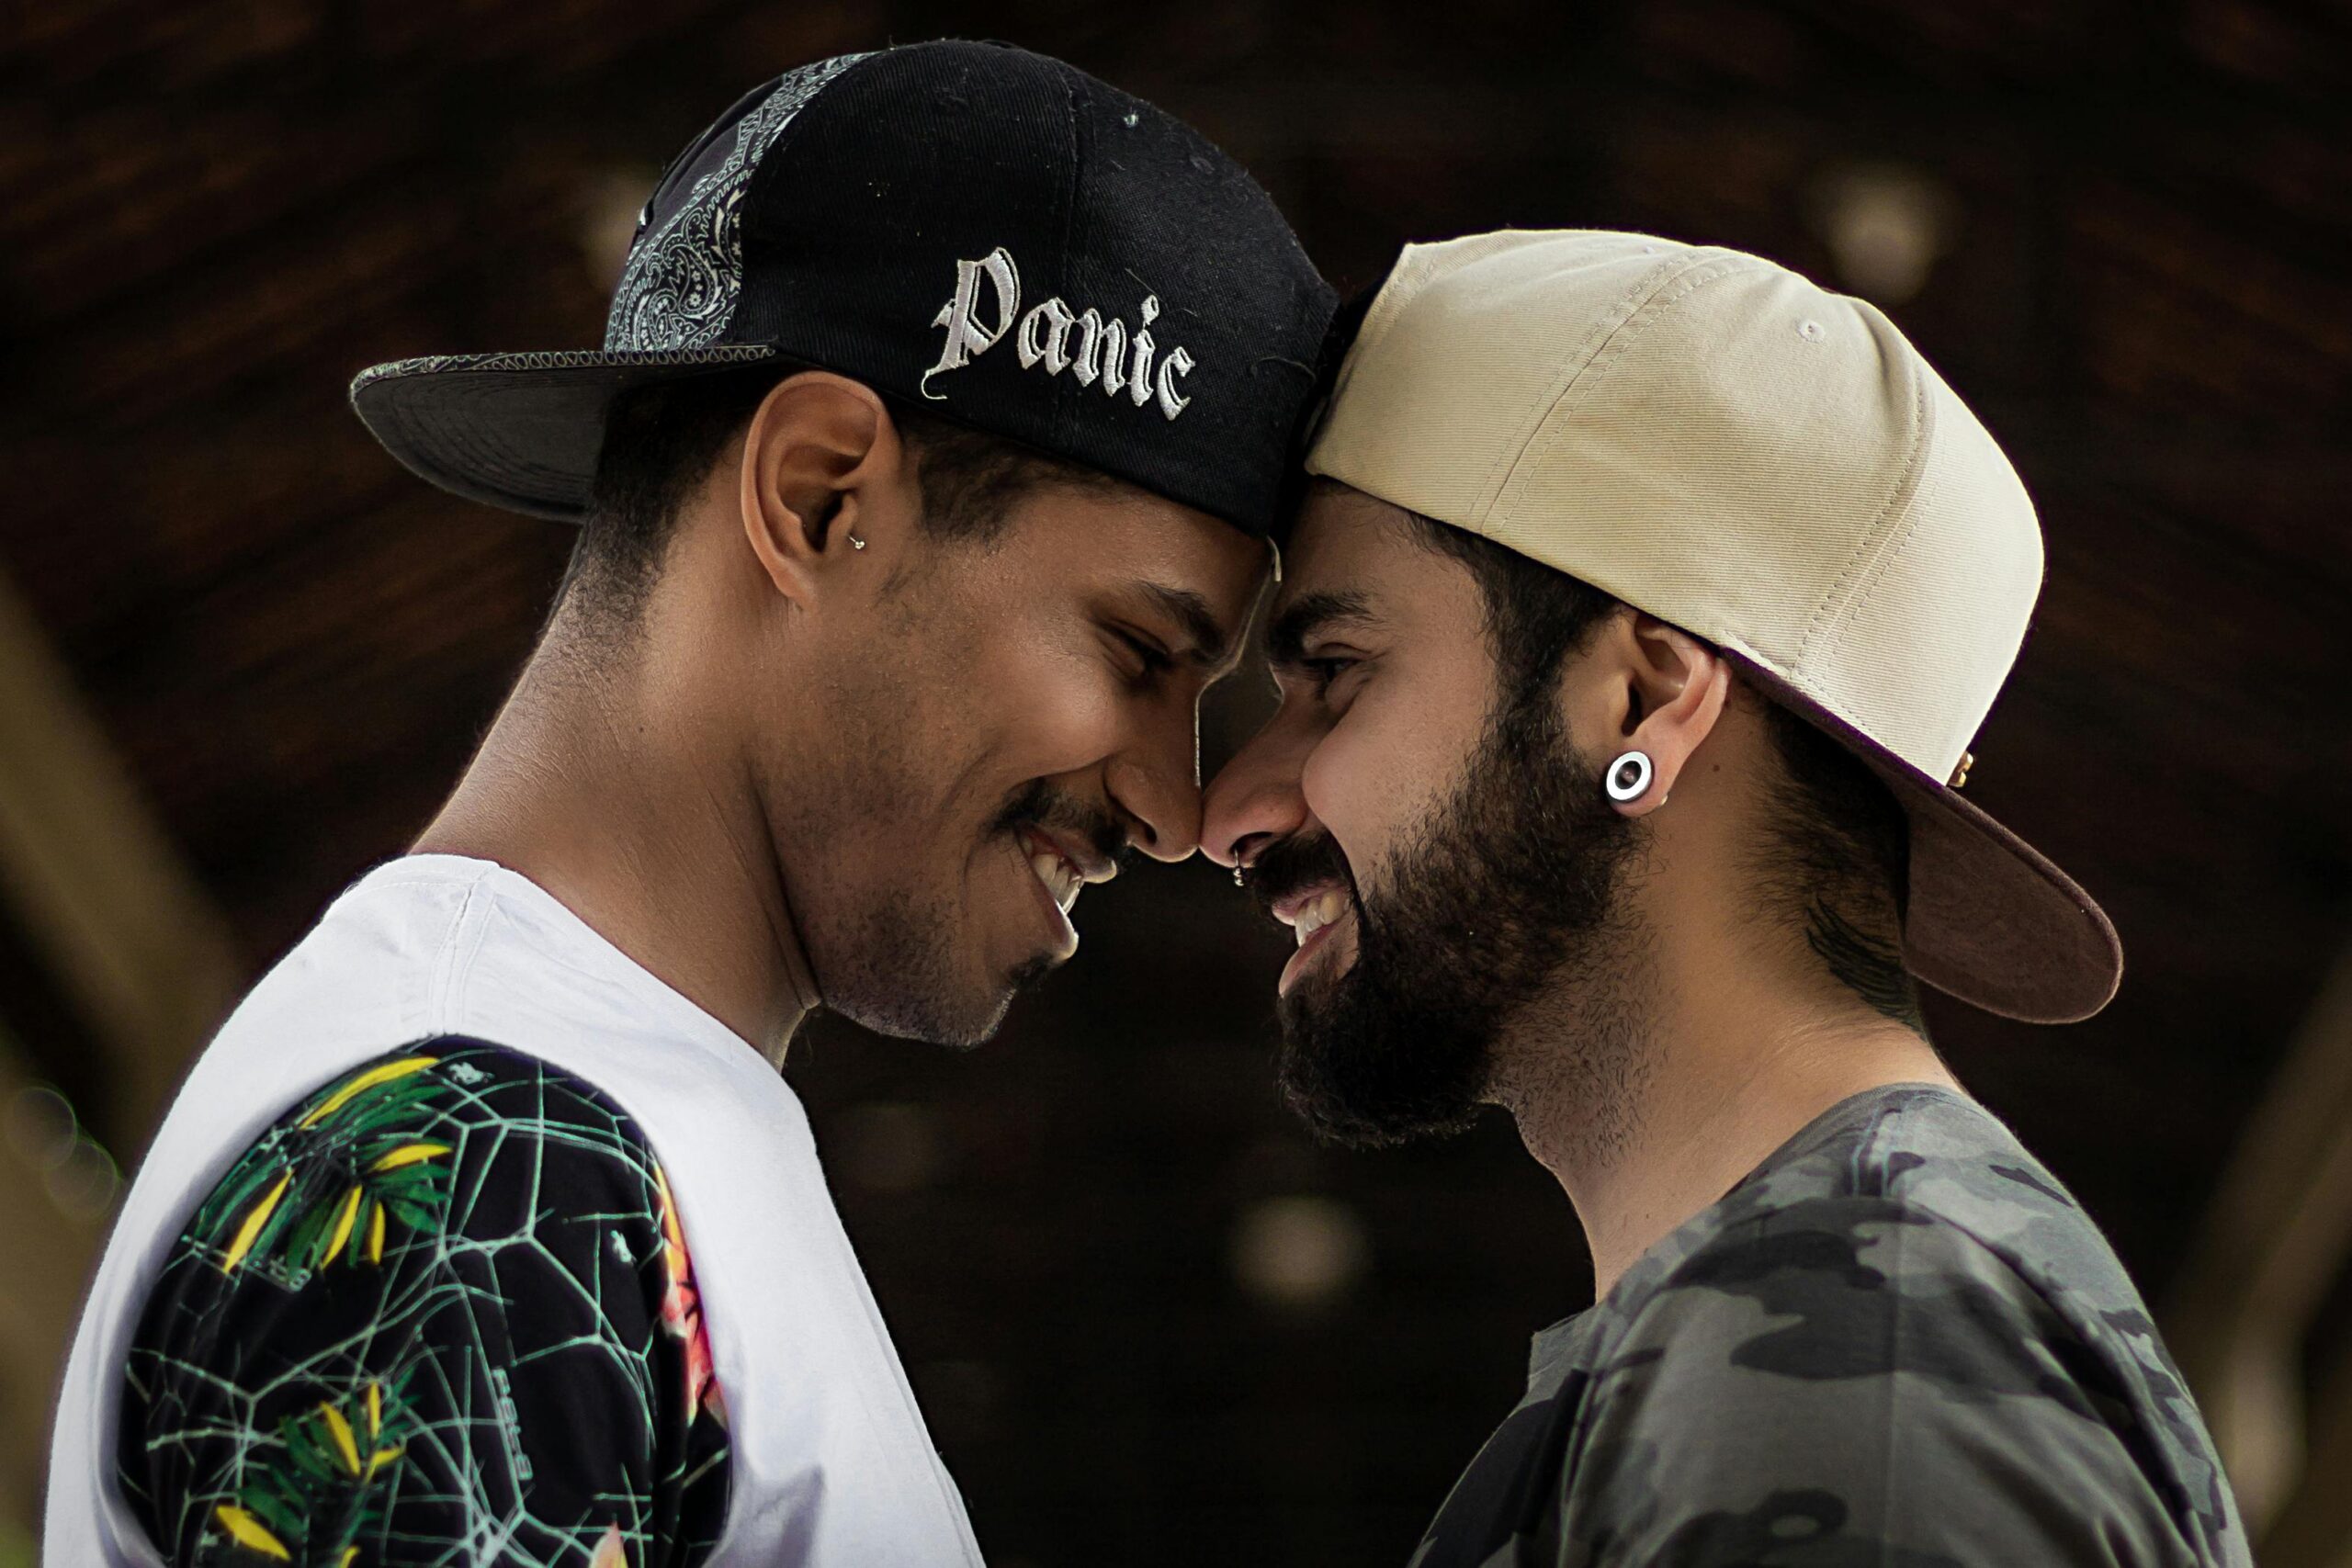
x=442 y=1313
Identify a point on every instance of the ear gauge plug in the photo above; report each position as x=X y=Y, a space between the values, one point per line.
x=1628 y=778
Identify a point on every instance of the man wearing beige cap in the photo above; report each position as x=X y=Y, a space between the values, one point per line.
x=1631 y=641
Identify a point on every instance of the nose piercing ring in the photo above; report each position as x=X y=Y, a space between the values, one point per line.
x=1628 y=777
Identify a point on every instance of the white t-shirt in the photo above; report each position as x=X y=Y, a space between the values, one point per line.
x=830 y=1465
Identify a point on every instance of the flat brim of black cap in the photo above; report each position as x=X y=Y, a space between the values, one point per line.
x=1990 y=920
x=517 y=431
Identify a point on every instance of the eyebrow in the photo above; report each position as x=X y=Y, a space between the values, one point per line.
x=1210 y=644
x=1287 y=637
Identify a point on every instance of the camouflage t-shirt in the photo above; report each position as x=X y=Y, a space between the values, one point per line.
x=1899 y=1343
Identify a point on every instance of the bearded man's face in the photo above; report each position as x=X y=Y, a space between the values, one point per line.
x=1437 y=839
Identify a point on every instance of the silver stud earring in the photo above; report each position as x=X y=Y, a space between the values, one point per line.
x=856 y=543
x=1628 y=778
x=1237 y=877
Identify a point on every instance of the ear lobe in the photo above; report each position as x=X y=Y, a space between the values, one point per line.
x=810 y=457
x=1679 y=686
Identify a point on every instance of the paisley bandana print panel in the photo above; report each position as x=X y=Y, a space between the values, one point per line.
x=678 y=286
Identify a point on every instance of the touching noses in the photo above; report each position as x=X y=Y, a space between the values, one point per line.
x=1254 y=799
x=1156 y=790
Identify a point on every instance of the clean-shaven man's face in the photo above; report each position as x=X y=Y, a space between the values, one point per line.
x=1011 y=715
x=1440 y=845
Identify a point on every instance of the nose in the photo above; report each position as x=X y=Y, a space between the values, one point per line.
x=1255 y=798
x=1155 y=786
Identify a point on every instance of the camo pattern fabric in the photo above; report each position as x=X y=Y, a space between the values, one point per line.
x=1898 y=1344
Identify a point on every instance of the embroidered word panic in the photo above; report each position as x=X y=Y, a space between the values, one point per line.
x=1051 y=334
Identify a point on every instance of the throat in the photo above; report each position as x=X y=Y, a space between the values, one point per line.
x=1648 y=1115
x=615 y=817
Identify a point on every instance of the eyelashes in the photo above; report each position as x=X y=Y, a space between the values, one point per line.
x=1155 y=661
x=1323 y=671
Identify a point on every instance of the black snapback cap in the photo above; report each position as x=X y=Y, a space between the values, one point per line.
x=982 y=232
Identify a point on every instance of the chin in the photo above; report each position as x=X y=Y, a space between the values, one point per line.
x=960 y=1019
x=960 y=1015
x=1363 y=1069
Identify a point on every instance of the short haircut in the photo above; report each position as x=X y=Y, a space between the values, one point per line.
x=1837 y=862
x=661 y=440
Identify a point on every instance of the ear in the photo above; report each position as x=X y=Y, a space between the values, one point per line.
x=817 y=457
x=1674 y=690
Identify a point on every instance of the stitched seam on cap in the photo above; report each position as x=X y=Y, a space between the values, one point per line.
x=1628 y=304
x=1881 y=534
x=1560 y=408
x=1395 y=292
x=1388 y=304
x=1898 y=541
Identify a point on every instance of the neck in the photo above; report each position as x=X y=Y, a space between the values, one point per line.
x=1722 y=1062
x=601 y=786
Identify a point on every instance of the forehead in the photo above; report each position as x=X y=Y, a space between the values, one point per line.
x=1348 y=543
x=1114 y=534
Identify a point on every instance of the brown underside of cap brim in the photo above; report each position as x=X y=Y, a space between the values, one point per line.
x=1990 y=921
x=521 y=432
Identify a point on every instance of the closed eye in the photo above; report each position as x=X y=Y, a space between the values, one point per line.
x=1323 y=671
x=1154 y=660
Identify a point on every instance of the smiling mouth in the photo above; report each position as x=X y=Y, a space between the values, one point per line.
x=1061 y=878
x=1312 y=913
x=1312 y=916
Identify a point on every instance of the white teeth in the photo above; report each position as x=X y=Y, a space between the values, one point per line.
x=1318 y=912
x=1060 y=878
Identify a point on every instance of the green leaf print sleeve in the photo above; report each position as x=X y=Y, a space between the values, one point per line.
x=441 y=1313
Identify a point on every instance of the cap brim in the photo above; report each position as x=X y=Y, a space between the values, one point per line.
x=517 y=431
x=1990 y=920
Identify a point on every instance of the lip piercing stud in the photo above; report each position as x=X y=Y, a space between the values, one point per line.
x=1628 y=778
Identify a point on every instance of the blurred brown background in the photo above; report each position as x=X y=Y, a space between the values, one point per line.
x=241 y=654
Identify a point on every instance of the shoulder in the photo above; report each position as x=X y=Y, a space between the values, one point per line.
x=1844 y=1342
x=1814 y=1269
x=1907 y=1233
x=1908 y=1194
x=447 y=1228
x=1852 y=1286
x=446 y=1136
x=479 y=1093
x=456 y=1075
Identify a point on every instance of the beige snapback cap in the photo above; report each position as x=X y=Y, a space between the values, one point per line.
x=1772 y=467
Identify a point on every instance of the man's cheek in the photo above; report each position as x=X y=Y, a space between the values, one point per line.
x=1052 y=714
x=1351 y=784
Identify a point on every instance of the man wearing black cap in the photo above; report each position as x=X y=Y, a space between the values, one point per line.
x=946 y=395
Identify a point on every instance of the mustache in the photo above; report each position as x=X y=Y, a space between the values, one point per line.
x=1293 y=864
x=1040 y=804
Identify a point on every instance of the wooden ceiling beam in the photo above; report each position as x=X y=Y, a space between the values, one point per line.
x=2274 y=1238
x=99 y=888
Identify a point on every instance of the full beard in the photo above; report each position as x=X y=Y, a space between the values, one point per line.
x=1510 y=890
